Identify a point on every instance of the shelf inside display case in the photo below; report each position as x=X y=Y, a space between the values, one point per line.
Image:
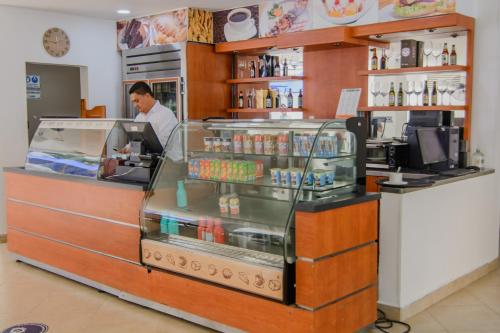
x=265 y=79
x=415 y=70
x=414 y=108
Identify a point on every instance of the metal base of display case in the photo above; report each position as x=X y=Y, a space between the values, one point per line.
x=131 y=298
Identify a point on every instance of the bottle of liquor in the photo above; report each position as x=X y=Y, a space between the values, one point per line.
x=400 y=94
x=445 y=57
x=262 y=66
x=250 y=99
x=289 y=103
x=277 y=67
x=392 y=95
x=301 y=100
x=269 y=65
x=374 y=60
x=434 y=98
x=383 y=60
x=252 y=70
x=453 y=55
x=285 y=68
x=241 y=102
x=277 y=100
x=269 y=100
x=425 y=97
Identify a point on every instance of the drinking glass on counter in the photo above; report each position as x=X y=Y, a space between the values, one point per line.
x=418 y=89
x=384 y=91
x=442 y=87
x=375 y=90
x=427 y=52
x=450 y=89
x=408 y=88
x=437 y=50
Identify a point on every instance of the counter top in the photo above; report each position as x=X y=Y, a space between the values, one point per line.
x=335 y=202
x=129 y=186
x=438 y=180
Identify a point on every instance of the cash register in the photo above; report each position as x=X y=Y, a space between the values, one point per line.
x=145 y=150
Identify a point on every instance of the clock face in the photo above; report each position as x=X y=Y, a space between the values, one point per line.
x=56 y=42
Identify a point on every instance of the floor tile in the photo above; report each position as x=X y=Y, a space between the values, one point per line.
x=468 y=317
x=461 y=297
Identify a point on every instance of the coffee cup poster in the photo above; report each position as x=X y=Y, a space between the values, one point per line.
x=390 y=10
x=236 y=24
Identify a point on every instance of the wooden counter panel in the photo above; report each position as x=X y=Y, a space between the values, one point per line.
x=115 y=273
x=110 y=238
x=327 y=280
x=109 y=202
x=371 y=185
x=348 y=315
x=336 y=230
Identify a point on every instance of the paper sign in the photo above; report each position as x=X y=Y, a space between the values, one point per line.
x=33 y=90
x=349 y=101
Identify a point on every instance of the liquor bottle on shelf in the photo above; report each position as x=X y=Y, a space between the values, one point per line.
x=434 y=98
x=374 y=61
x=269 y=65
x=400 y=94
x=290 y=99
x=269 y=100
x=301 y=100
x=277 y=68
x=392 y=95
x=241 y=103
x=277 y=101
x=285 y=68
x=250 y=99
x=445 y=56
x=252 y=70
x=453 y=55
x=383 y=60
x=262 y=66
x=425 y=98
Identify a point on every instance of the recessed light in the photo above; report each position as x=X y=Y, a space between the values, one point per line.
x=123 y=11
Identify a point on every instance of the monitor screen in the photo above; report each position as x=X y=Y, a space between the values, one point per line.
x=430 y=146
x=143 y=131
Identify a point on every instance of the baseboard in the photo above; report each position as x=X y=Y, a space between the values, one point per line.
x=439 y=294
x=3 y=238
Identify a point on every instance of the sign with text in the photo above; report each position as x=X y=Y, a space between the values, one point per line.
x=33 y=89
x=349 y=101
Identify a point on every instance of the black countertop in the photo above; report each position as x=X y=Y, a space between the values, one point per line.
x=320 y=205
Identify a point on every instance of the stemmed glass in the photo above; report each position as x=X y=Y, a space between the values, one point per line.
x=450 y=89
x=388 y=56
x=408 y=88
x=384 y=91
x=375 y=90
x=427 y=52
x=396 y=54
x=242 y=65
x=437 y=50
x=418 y=89
x=442 y=88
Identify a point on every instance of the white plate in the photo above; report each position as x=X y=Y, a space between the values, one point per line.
x=388 y=182
x=232 y=35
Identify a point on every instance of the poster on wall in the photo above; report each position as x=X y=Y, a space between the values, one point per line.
x=201 y=27
x=328 y=13
x=390 y=10
x=236 y=24
x=277 y=17
x=33 y=88
x=132 y=34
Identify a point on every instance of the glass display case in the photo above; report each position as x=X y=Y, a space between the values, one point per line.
x=89 y=148
x=222 y=204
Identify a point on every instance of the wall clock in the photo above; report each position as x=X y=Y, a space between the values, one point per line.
x=56 y=42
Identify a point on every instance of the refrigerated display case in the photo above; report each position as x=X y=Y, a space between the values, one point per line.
x=224 y=211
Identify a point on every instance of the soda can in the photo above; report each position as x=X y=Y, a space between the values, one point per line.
x=286 y=178
x=238 y=143
x=259 y=144
x=247 y=144
x=276 y=176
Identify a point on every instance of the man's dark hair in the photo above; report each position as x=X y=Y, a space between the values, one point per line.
x=141 y=88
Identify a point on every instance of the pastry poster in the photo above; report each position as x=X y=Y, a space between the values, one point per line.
x=328 y=13
x=390 y=10
x=277 y=17
x=236 y=24
x=133 y=34
x=200 y=26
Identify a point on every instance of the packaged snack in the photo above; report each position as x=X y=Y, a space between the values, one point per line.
x=259 y=144
x=238 y=144
x=208 y=143
x=330 y=177
x=224 y=204
x=217 y=145
x=269 y=144
x=309 y=181
x=259 y=168
x=251 y=171
x=276 y=176
x=319 y=178
x=234 y=205
x=247 y=144
x=226 y=145
x=286 y=179
x=296 y=176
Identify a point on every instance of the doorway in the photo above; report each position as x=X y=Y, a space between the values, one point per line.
x=53 y=91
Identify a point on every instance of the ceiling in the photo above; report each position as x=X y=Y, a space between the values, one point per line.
x=106 y=9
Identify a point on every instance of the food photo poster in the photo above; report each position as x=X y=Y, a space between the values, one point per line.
x=236 y=24
x=328 y=13
x=390 y=10
x=278 y=17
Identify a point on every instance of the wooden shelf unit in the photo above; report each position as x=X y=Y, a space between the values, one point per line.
x=264 y=110
x=416 y=70
x=414 y=108
x=265 y=79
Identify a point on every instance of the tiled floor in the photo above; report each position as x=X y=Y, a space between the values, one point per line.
x=28 y=294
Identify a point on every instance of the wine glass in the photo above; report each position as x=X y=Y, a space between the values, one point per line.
x=242 y=65
x=375 y=90
x=384 y=91
x=450 y=89
x=427 y=52
x=396 y=54
x=437 y=50
x=408 y=88
x=418 y=89
x=388 y=56
x=442 y=87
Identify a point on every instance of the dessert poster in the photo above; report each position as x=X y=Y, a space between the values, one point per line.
x=200 y=26
x=277 y=17
x=236 y=24
x=132 y=34
x=328 y=13
x=390 y=10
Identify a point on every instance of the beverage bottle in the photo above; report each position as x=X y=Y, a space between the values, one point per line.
x=201 y=228
x=252 y=70
x=383 y=60
x=400 y=94
x=453 y=55
x=269 y=100
x=285 y=68
x=301 y=100
x=425 y=97
x=290 y=99
x=374 y=61
x=277 y=101
x=392 y=95
x=434 y=98
x=219 y=234
x=241 y=102
x=209 y=230
x=173 y=227
x=445 y=55
x=277 y=68
x=249 y=99
x=181 y=195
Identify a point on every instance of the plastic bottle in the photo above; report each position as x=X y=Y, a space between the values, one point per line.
x=173 y=227
x=201 y=228
x=164 y=222
x=209 y=231
x=181 y=195
x=219 y=234
x=478 y=159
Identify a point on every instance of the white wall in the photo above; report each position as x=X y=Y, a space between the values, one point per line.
x=92 y=44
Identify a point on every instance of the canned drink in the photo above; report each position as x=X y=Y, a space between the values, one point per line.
x=259 y=168
x=259 y=144
x=251 y=171
x=238 y=143
x=283 y=144
x=286 y=179
x=269 y=144
x=208 y=144
x=276 y=176
x=247 y=144
x=296 y=145
x=226 y=145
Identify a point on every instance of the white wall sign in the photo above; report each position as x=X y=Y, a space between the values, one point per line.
x=33 y=90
